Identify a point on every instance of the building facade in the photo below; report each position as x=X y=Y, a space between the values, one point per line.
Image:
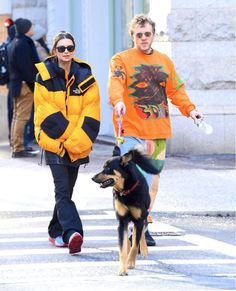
x=198 y=35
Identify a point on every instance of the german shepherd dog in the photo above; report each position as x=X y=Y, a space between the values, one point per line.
x=131 y=201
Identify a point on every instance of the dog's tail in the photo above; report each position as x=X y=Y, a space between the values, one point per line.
x=138 y=156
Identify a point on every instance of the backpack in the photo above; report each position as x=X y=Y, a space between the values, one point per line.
x=4 y=70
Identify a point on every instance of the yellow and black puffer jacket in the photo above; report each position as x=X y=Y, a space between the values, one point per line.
x=67 y=109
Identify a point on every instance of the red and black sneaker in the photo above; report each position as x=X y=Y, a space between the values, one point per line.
x=75 y=243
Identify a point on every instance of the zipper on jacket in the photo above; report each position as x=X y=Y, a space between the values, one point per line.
x=68 y=85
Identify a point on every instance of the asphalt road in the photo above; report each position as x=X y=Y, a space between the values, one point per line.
x=195 y=251
x=193 y=257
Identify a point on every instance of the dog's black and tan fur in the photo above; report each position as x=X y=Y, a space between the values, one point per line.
x=131 y=201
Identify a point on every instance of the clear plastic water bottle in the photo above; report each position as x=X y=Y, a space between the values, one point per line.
x=205 y=127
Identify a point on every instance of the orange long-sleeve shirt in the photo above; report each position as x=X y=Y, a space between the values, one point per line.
x=145 y=83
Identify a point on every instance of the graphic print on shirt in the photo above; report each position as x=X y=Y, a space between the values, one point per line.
x=149 y=91
x=118 y=72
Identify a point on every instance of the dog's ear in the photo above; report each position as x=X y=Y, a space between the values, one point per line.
x=138 y=150
x=131 y=154
x=126 y=158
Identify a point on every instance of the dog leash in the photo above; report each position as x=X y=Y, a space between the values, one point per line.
x=120 y=137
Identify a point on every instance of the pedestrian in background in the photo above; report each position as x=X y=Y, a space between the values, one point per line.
x=141 y=80
x=67 y=121
x=9 y=24
x=22 y=59
x=39 y=38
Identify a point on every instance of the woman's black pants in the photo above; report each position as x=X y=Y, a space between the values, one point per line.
x=66 y=219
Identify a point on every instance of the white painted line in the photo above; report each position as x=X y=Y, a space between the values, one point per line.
x=162 y=249
x=54 y=250
x=23 y=239
x=35 y=279
x=110 y=213
x=23 y=230
x=45 y=239
x=211 y=244
x=156 y=227
x=44 y=229
x=69 y=265
x=160 y=227
x=199 y=262
x=51 y=251
x=226 y=275
x=100 y=227
x=101 y=238
x=48 y=218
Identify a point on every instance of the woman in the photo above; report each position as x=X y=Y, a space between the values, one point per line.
x=67 y=120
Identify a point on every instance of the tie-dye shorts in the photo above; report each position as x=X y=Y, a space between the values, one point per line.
x=156 y=148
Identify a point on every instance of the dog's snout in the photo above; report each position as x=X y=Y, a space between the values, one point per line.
x=95 y=178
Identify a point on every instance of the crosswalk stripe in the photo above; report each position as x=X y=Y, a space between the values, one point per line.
x=86 y=250
x=45 y=239
x=199 y=262
x=198 y=243
x=116 y=263
x=48 y=218
x=164 y=249
x=157 y=229
x=78 y=264
x=95 y=278
x=43 y=229
x=218 y=246
x=51 y=251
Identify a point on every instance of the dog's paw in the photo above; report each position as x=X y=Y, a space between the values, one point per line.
x=131 y=265
x=144 y=252
x=123 y=273
x=144 y=255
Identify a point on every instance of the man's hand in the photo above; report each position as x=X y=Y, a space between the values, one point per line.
x=195 y=114
x=120 y=108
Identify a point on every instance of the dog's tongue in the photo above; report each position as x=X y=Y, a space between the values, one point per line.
x=107 y=183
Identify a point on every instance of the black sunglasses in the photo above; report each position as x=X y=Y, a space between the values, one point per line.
x=62 y=48
x=140 y=34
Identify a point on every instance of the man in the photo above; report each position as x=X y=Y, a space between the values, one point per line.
x=141 y=80
x=22 y=59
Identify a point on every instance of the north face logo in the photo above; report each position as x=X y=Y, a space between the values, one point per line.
x=76 y=91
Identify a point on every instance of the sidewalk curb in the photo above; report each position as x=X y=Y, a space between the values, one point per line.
x=105 y=139
x=210 y=213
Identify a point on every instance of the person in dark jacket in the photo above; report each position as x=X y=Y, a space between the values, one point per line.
x=67 y=121
x=22 y=59
x=9 y=24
